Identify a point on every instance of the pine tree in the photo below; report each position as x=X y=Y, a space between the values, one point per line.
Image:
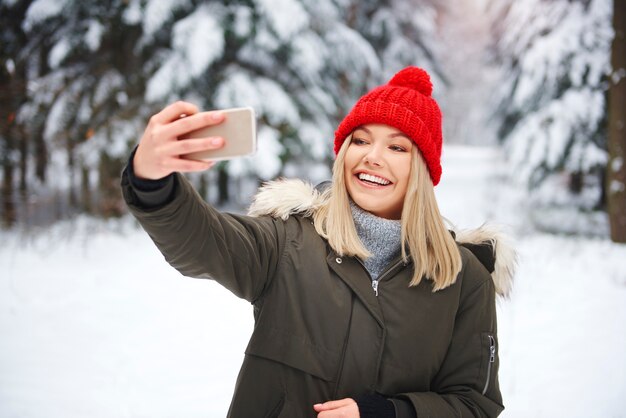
x=552 y=105
x=92 y=74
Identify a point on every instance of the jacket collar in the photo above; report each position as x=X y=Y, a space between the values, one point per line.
x=490 y=243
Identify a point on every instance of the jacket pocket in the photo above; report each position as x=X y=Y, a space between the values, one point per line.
x=295 y=350
x=489 y=352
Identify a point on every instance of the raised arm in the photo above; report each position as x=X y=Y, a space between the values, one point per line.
x=239 y=252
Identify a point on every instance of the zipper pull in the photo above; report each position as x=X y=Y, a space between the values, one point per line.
x=375 y=286
x=492 y=349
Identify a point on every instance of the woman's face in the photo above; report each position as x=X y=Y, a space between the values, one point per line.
x=377 y=167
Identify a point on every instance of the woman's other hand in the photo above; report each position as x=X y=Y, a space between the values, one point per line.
x=342 y=408
x=159 y=151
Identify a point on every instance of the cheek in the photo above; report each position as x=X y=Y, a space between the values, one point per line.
x=351 y=155
x=403 y=171
x=351 y=159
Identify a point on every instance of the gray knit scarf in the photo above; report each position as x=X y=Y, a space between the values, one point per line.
x=380 y=236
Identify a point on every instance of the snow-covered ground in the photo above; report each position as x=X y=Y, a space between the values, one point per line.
x=93 y=322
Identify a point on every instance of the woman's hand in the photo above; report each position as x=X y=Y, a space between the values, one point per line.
x=342 y=408
x=159 y=151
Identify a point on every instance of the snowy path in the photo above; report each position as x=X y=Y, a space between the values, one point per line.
x=93 y=323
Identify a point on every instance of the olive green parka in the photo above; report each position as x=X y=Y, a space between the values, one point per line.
x=321 y=333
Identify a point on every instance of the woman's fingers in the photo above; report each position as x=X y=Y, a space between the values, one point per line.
x=182 y=126
x=173 y=112
x=326 y=406
x=186 y=146
x=342 y=408
x=188 y=166
x=159 y=150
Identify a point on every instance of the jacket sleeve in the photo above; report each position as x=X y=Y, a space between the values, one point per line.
x=239 y=252
x=466 y=384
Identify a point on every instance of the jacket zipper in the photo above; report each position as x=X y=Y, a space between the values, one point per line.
x=375 y=286
x=492 y=359
x=385 y=273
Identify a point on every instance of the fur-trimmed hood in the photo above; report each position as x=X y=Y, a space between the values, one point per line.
x=492 y=246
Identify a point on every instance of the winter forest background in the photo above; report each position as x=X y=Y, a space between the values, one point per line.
x=79 y=80
x=92 y=320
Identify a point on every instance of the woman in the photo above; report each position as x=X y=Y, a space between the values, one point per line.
x=364 y=303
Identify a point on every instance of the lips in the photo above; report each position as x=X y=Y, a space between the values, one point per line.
x=372 y=179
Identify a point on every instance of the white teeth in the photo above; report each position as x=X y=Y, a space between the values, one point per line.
x=373 y=179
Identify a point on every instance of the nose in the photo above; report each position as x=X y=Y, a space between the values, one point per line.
x=374 y=156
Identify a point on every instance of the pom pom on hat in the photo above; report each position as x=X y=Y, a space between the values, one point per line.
x=405 y=103
x=413 y=78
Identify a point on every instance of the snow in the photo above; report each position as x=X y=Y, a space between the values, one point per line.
x=95 y=323
x=110 y=81
x=198 y=40
x=553 y=89
x=10 y=66
x=267 y=162
x=41 y=10
x=132 y=14
x=286 y=17
x=156 y=13
x=544 y=136
x=311 y=135
x=94 y=35
x=616 y=187
x=59 y=52
x=562 y=336
x=617 y=75
x=266 y=96
x=309 y=55
x=358 y=55
x=55 y=117
x=558 y=53
x=242 y=20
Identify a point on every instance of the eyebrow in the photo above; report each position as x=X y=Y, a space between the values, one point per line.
x=394 y=135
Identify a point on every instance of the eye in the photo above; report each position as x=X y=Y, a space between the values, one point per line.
x=397 y=148
x=358 y=141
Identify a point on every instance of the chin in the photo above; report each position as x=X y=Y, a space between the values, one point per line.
x=380 y=210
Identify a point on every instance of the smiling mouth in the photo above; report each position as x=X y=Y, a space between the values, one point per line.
x=372 y=180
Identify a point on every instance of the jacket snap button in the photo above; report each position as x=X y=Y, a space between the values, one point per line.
x=338 y=260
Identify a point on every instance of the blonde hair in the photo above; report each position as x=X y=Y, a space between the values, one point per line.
x=432 y=248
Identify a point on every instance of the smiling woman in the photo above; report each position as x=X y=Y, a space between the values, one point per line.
x=364 y=303
x=377 y=165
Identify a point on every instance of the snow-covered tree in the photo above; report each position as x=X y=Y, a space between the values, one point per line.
x=93 y=72
x=551 y=107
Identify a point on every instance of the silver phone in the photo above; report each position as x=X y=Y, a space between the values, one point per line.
x=238 y=130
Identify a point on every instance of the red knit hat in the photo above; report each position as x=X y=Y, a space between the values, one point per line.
x=404 y=103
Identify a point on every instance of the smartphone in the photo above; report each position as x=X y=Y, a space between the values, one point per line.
x=238 y=130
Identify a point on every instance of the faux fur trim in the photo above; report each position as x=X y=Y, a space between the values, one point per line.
x=503 y=251
x=286 y=197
